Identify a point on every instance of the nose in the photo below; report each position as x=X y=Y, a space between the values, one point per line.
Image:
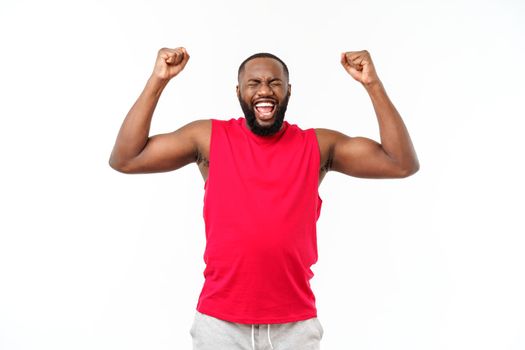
x=264 y=90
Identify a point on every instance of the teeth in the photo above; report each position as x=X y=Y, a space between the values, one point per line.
x=264 y=104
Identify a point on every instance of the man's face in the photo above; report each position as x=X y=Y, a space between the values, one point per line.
x=263 y=93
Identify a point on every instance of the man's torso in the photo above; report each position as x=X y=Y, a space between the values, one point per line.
x=203 y=156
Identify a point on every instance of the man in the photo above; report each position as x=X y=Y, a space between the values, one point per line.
x=261 y=201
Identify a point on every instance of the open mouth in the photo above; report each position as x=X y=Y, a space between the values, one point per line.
x=265 y=110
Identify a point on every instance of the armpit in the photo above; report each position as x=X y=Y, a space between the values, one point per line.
x=328 y=164
x=201 y=160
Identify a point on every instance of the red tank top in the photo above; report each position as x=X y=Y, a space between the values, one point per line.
x=261 y=205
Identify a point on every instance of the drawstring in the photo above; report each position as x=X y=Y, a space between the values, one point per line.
x=269 y=340
x=253 y=337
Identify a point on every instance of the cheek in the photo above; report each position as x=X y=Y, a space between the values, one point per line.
x=245 y=95
x=242 y=100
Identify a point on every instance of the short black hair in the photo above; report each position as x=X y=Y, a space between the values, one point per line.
x=264 y=55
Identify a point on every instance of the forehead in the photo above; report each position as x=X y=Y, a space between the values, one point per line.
x=262 y=68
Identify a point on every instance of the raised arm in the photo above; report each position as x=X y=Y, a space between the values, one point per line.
x=395 y=156
x=135 y=151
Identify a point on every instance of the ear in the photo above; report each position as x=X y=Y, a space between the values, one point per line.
x=289 y=89
x=238 y=91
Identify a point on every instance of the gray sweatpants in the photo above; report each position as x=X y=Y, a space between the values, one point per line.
x=210 y=333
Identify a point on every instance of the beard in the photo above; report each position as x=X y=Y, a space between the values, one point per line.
x=249 y=113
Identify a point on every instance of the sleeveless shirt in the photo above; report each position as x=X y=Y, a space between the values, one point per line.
x=261 y=205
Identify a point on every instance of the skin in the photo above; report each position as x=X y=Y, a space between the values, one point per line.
x=263 y=78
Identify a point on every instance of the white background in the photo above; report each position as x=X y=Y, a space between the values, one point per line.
x=94 y=259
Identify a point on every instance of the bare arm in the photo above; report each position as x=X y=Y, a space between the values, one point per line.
x=134 y=150
x=395 y=156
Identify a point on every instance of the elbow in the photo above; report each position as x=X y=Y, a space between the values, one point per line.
x=119 y=163
x=409 y=170
x=119 y=166
x=114 y=165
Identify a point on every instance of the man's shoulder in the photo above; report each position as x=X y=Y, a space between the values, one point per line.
x=230 y=121
x=328 y=134
x=200 y=125
x=200 y=131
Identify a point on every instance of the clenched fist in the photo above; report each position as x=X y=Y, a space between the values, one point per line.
x=170 y=62
x=360 y=66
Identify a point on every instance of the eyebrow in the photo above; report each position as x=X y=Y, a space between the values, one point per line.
x=259 y=80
